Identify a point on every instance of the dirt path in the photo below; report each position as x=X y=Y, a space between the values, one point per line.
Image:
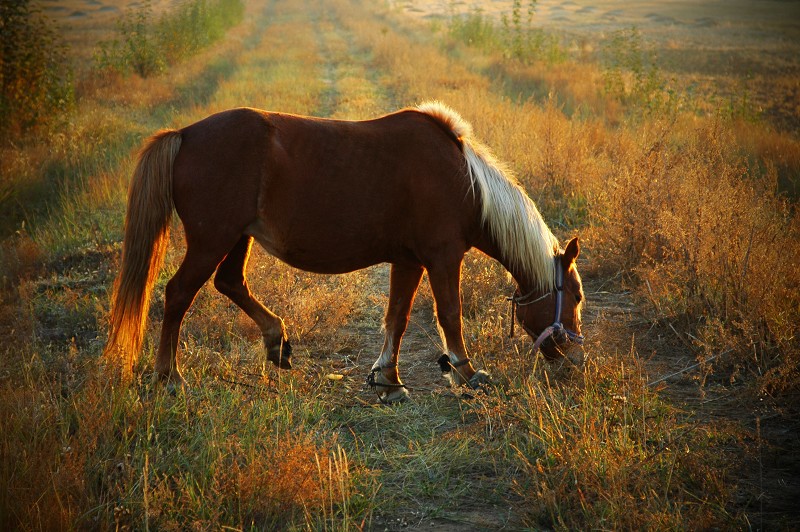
x=354 y=91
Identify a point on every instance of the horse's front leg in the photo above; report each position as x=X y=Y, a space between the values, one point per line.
x=445 y=282
x=385 y=377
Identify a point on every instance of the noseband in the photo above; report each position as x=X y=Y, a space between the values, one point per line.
x=557 y=329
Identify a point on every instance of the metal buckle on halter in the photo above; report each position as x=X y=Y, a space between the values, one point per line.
x=562 y=333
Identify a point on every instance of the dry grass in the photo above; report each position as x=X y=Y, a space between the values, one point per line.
x=679 y=200
x=681 y=210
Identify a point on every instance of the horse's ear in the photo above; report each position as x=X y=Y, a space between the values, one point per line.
x=571 y=252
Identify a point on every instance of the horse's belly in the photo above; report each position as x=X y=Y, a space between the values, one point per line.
x=325 y=253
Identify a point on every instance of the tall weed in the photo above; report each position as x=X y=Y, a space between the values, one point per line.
x=593 y=451
x=514 y=36
x=632 y=75
x=35 y=76
x=146 y=44
x=475 y=29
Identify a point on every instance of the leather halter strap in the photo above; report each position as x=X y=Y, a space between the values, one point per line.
x=557 y=328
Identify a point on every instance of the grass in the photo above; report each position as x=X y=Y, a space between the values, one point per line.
x=146 y=45
x=672 y=208
x=37 y=79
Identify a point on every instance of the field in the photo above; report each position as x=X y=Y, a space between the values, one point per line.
x=664 y=135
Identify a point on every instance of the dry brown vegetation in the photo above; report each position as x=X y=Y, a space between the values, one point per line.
x=689 y=239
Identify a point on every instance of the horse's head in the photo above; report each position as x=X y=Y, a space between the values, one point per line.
x=553 y=319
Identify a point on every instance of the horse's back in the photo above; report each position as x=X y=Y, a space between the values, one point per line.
x=327 y=195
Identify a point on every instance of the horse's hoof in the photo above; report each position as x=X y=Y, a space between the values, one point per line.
x=285 y=363
x=281 y=355
x=480 y=379
x=388 y=392
x=400 y=395
x=280 y=361
x=173 y=382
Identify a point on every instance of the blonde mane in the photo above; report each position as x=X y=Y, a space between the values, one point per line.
x=515 y=224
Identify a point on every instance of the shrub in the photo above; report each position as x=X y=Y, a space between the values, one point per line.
x=708 y=239
x=474 y=29
x=137 y=49
x=35 y=77
x=146 y=45
x=515 y=36
x=632 y=75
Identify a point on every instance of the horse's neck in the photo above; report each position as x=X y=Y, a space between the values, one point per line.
x=489 y=248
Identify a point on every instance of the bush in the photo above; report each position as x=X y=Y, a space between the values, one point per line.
x=137 y=49
x=35 y=77
x=632 y=76
x=475 y=29
x=146 y=45
x=515 y=36
x=709 y=239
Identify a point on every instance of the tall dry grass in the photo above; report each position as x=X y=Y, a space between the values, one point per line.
x=550 y=447
x=708 y=237
x=97 y=456
x=692 y=208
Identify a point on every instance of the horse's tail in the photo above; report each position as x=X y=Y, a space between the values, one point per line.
x=147 y=224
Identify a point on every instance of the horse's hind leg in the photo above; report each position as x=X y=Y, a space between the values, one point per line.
x=230 y=280
x=196 y=268
x=404 y=281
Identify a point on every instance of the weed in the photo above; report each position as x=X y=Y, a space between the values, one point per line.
x=591 y=452
x=35 y=76
x=515 y=37
x=136 y=50
x=475 y=29
x=145 y=46
x=632 y=75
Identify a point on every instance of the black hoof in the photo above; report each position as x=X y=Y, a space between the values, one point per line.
x=281 y=355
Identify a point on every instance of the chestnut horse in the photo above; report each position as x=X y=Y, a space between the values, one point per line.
x=412 y=188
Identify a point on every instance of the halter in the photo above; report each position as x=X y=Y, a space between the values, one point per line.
x=557 y=329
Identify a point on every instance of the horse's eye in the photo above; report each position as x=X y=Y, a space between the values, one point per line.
x=578 y=298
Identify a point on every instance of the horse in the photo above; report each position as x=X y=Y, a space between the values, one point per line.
x=413 y=188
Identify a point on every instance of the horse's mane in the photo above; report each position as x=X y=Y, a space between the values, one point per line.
x=514 y=222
